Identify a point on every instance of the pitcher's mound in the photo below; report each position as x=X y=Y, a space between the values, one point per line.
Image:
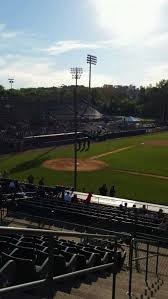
x=67 y=164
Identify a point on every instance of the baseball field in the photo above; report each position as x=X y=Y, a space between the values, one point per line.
x=137 y=166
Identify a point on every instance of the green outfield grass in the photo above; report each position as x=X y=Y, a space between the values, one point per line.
x=140 y=158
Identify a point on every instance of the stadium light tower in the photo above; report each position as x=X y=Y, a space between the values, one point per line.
x=76 y=74
x=11 y=81
x=92 y=60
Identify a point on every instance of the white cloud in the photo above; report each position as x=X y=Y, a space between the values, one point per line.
x=160 y=40
x=7 y=34
x=128 y=21
x=60 y=47
x=155 y=74
x=69 y=45
x=28 y=71
x=32 y=72
x=35 y=72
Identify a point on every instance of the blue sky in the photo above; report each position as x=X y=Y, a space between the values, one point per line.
x=40 y=40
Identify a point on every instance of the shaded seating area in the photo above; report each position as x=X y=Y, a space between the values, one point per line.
x=26 y=258
x=45 y=204
x=130 y=220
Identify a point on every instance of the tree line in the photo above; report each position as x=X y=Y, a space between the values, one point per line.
x=146 y=102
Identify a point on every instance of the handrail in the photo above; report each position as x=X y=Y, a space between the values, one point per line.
x=124 y=234
x=143 y=257
x=33 y=284
x=78 y=225
x=32 y=231
x=151 y=241
x=151 y=251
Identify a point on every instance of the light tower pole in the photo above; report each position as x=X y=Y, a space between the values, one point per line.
x=76 y=74
x=92 y=60
x=11 y=81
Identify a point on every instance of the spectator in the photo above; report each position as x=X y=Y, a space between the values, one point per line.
x=63 y=192
x=30 y=179
x=160 y=214
x=67 y=196
x=40 y=192
x=88 y=198
x=103 y=190
x=125 y=206
x=135 y=209
x=164 y=223
x=12 y=186
x=41 y=181
x=112 y=191
x=74 y=198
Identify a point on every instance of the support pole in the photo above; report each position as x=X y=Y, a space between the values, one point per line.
x=147 y=262
x=114 y=274
x=130 y=268
x=90 y=71
x=76 y=74
x=157 y=260
x=51 y=258
x=75 y=129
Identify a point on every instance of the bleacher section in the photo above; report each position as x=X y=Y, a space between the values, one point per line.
x=131 y=236
x=31 y=254
x=93 y=216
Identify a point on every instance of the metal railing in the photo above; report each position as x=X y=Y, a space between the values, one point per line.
x=146 y=257
x=112 y=266
x=51 y=234
x=47 y=232
x=87 y=229
x=62 y=223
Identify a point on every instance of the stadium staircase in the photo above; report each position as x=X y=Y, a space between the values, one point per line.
x=102 y=288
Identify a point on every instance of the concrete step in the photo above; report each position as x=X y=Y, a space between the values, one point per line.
x=62 y=295
x=154 y=291
x=98 y=286
x=163 y=291
x=103 y=287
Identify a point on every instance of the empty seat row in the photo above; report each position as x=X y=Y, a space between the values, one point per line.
x=26 y=258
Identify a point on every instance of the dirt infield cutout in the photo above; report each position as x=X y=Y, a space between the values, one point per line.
x=67 y=164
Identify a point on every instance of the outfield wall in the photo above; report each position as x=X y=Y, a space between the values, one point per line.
x=15 y=145
x=30 y=142
x=119 y=134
